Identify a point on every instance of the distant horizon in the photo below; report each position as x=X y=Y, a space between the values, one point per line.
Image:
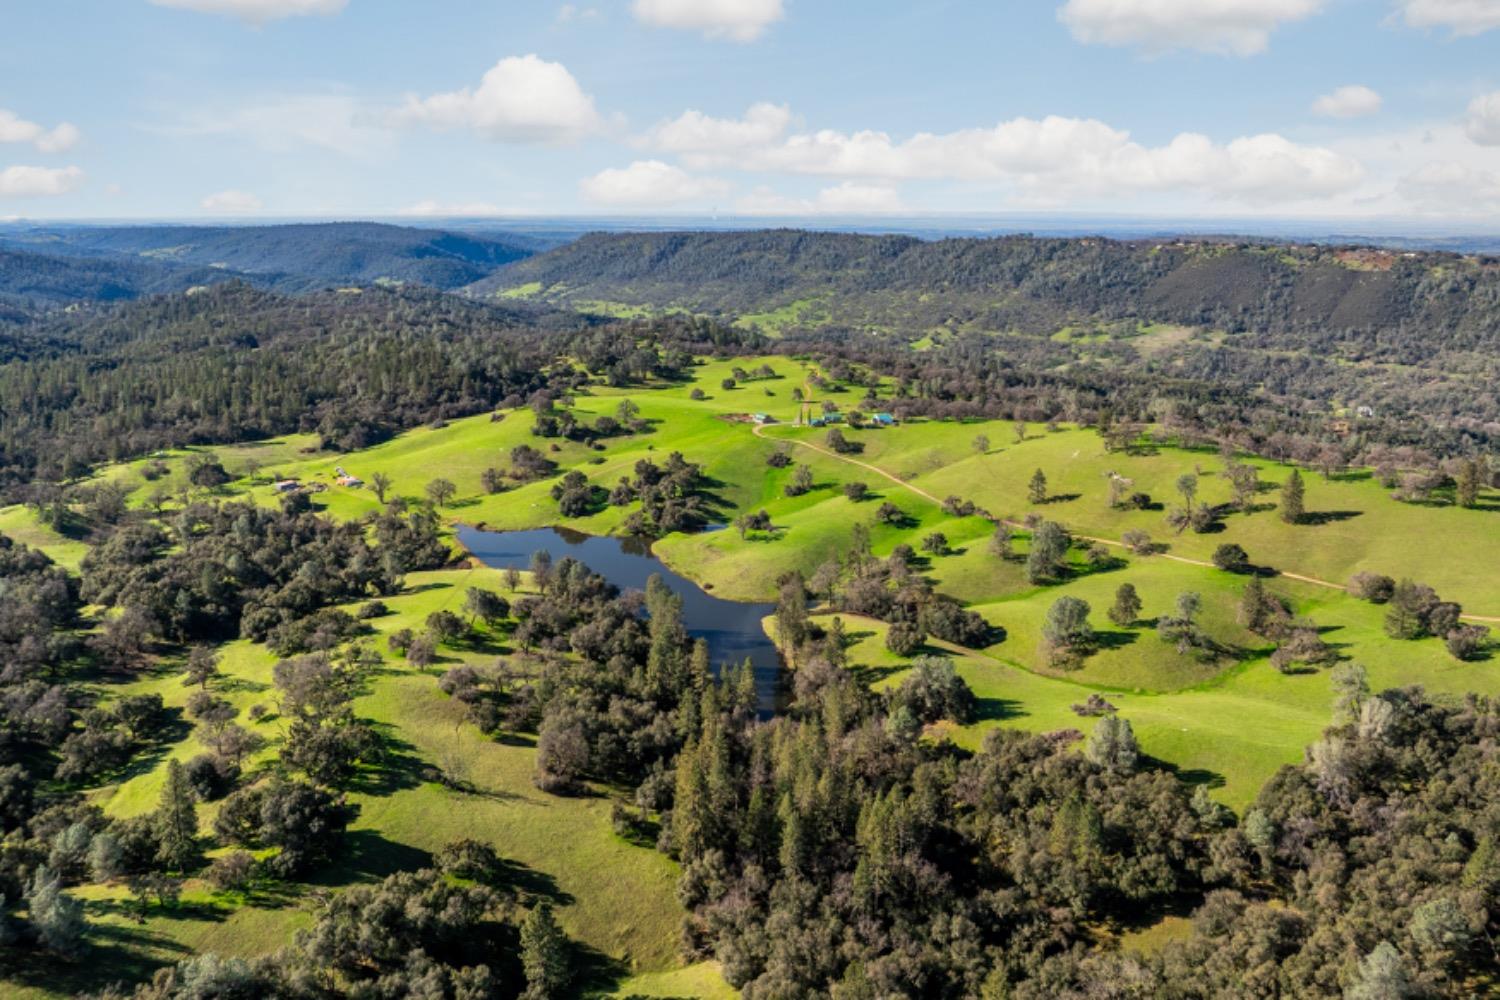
x=936 y=224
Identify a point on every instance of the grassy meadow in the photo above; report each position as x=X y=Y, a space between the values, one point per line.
x=1228 y=723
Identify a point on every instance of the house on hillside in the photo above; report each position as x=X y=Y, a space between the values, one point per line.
x=352 y=482
x=884 y=420
x=762 y=418
x=286 y=486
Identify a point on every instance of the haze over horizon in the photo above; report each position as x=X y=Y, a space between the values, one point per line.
x=1373 y=113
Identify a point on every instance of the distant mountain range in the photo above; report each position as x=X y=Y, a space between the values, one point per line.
x=55 y=265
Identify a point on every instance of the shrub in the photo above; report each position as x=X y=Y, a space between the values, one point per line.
x=232 y=871
x=471 y=859
x=904 y=639
x=1373 y=587
x=1231 y=558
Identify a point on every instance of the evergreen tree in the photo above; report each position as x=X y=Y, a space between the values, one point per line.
x=666 y=667
x=57 y=917
x=1350 y=690
x=1036 y=492
x=1112 y=744
x=544 y=954
x=176 y=822
x=1293 y=498
x=1466 y=491
x=1047 y=558
x=1127 y=606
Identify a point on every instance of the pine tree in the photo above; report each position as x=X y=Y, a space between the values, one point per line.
x=1467 y=491
x=1127 y=606
x=1037 y=491
x=1255 y=606
x=57 y=917
x=1112 y=744
x=1293 y=496
x=544 y=954
x=666 y=667
x=176 y=822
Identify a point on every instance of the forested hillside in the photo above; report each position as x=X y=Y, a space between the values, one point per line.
x=1341 y=338
x=30 y=281
x=235 y=363
x=288 y=257
x=1028 y=285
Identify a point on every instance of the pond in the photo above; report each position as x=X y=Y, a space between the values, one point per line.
x=732 y=629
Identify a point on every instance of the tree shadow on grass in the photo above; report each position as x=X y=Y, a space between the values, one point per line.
x=868 y=676
x=998 y=710
x=594 y=973
x=1186 y=775
x=398 y=766
x=115 y=954
x=1317 y=517
x=1115 y=639
x=529 y=883
x=369 y=856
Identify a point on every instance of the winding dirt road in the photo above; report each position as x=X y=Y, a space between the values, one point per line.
x=759 y=431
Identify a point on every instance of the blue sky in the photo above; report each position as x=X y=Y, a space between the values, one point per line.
x=1190 y=108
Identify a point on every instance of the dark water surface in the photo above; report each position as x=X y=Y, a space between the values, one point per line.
x=731 y=628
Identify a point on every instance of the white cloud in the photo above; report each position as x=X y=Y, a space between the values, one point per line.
x=1353 y=101
x=433 y=209
x=1044 y=160
x=737 y=20
x=258 y=11
x=334 y=122
x=650 y=183
x=1451 y=188
x=1238 y=27
x=521 y=99
x=34 y=182
x=14 y=128
x=1484 y=119
x=695 y=135
x=848 y=198
x=232 y=203
x=1462 y=17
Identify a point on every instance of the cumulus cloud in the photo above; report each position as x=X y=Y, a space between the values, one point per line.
x=433 y=209
x=1045 y=159
x=1462 y=17
x=1237 y=27
x=1452 y=188
x=36 y=182
x=650 y=183
x=696 y=135
x=1483 y=125
x=521 y=99
x=14 y=128
x=258 y=11
x=232 y=202
x=848 y=198
x=1353 y=101
x=737 y=20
